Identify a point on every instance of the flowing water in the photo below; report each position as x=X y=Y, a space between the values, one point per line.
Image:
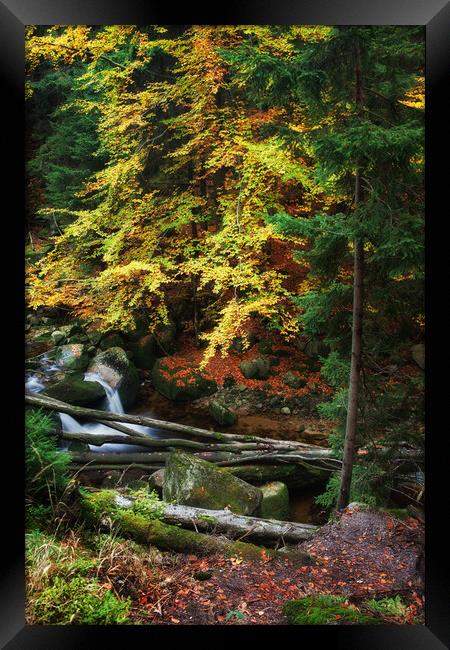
x=112 y=403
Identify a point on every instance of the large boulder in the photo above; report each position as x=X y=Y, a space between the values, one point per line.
x=194 y=482
x=144 y=352
x=165 y=338
x=275 y=501
x=221 y=414
x=73 y=356
x=256 y=368
x=74 y=390
x=119 y=372
x=181 y=382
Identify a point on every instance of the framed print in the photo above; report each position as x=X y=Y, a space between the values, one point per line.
x=229 y=247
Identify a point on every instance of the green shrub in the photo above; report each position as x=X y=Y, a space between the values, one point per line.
x=78 y=601
x=46 y=466
x=388 y=606
x=323 y=610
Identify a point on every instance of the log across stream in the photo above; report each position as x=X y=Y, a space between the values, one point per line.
x=140 y=453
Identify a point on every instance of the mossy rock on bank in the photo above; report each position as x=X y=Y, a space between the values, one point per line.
x=74 y=390
x=119 y=372
x=72 y=356
x=293 y=380
x=191 y=481
x=221 y=414
x=144 y=352
x=275 y=501
x=256 y=368
x=265 y=346
x=181 y=383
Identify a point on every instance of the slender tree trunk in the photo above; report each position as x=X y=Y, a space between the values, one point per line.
x=355 y=367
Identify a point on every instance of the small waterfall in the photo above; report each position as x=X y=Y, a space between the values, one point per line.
x=33 y=385
x=113 y=404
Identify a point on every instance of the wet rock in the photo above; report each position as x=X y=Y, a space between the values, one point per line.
x=57 y=337
x=72 y=356
x=144 y=352
x=119 y=372
x=221 y=414
x=191 y=481
x=74 y=390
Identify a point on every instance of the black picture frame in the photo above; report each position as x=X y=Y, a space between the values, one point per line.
x=434 y=15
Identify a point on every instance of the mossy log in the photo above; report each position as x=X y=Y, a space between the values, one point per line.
x=108 y=505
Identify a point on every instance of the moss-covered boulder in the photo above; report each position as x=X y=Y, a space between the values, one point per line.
x=221 y=414
x=74 y=390
x=194 y=482
x=256 y=368
x=72 y=356
x=293 y=380
x=144 y=352
x=180 y=381
x=119 y=372
x=275 y=501
x=165 y=338
x=111 y=340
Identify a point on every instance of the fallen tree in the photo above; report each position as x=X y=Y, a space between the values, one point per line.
x=226 y=522
x=107 y=417
x=107 y=506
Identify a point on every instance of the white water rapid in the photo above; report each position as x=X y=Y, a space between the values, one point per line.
x=112 y=403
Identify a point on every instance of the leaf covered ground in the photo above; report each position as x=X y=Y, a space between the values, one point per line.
x=362 y=555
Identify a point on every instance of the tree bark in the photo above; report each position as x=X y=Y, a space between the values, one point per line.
x=355 y=364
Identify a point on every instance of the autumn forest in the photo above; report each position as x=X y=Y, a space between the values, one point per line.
x=224 y=373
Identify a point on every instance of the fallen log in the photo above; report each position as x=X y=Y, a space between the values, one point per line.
x=226 y=522
x=106 y=417
x=101 y=439
x=108 y=506
x=213 y=456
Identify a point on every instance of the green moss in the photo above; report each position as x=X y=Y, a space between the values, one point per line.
x=323 y=610
x=78 y=601
x=221 y=414
x=191 y=481
x=74 y=390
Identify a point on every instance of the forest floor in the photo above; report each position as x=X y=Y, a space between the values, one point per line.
x=364 y=554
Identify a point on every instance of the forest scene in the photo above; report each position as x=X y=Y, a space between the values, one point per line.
x=224 y=335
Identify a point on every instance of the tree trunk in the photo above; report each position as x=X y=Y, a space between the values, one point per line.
x=355 y=365
x=107 y=504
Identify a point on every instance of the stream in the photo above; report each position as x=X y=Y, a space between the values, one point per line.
x=302 y=504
